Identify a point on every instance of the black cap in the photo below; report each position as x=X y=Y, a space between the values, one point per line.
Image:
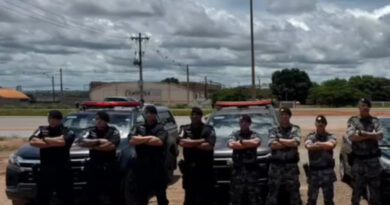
x=246 y=118
x=103 y=116
x=55 y=114
x=285 y=110
x=321 y=119
x=151 y=109
x=365 y=101
x=197 y=111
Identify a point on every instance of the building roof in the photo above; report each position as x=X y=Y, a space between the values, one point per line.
x=6 y=93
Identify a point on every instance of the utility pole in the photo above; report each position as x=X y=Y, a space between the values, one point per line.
x=188 y=85
x=205 y=87
x=52 y=86
x=253 y=54
x=62 y=88
x=138 y=62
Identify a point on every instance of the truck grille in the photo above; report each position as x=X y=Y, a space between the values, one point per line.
x=28 y=168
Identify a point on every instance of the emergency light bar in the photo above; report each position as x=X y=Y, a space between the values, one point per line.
x=93 y=104
x=243 y=103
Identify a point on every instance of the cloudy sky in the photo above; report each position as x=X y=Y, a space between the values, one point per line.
x=90 y=39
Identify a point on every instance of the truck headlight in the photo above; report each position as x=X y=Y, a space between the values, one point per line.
x=385 y=163
x=14 y=159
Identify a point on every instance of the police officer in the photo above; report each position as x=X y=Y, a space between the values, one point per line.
x=365 y=131
x=320 y=145
x=150 y=141
x=54 y=142
x=283 y=169
x=198 y=145
x=245 y=173
x=102 y=168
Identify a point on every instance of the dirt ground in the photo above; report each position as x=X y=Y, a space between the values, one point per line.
x=301 y=117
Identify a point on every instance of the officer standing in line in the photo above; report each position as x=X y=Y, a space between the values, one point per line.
x=245 y=171
x=320 y=145
x=102 y=168
x=283 y=169
x=198 y=150
x=150 y=141
x=55 y=174
x=365 y=131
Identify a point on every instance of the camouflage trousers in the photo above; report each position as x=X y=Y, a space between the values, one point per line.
x=366 y=177
x=286 y=175
x=244 y=182
x=321 y=179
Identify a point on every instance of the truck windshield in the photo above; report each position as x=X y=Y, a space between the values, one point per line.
x=386 y=131
x=224 y=125
x=80 y=122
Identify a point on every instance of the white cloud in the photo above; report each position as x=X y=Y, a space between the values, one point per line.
x=87 y=38
x=299 y=24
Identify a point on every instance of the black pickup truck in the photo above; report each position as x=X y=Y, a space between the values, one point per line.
x=20 y=178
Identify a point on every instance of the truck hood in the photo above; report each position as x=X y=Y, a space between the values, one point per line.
x=29 y=152
x=385 y=152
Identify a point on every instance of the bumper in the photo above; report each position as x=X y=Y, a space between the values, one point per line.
x=386 y=184
x=223 y=171
x=21 y=184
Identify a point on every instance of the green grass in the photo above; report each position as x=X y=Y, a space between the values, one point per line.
x=30 y=111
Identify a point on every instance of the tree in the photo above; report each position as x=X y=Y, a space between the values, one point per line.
x=171 y=80
x=336 y=92
x=240 y=94
x=232 y=94
x=373 y=87
x=291 y=84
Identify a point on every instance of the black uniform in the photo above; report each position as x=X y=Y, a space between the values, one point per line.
x=198 y=178
x=55 y=173
x=151 y=172
x=102 y=169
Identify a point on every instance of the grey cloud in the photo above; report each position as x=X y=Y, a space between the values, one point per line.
x=290 y=6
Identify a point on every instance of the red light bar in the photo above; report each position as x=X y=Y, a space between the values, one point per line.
x=243 y=103
x=110 y=104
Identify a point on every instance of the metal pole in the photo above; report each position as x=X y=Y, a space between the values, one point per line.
x=188 y=85
x=141 y=86
x=253 y=54
x=62 y=88
x=205 y=87
x=52 y=86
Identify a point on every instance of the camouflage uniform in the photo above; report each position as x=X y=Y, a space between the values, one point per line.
x=283 y=169
x=321 y=174
x=366 y=168
x=244 y=174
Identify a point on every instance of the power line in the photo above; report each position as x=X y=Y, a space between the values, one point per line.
x=75 y=22
x=20 y=10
